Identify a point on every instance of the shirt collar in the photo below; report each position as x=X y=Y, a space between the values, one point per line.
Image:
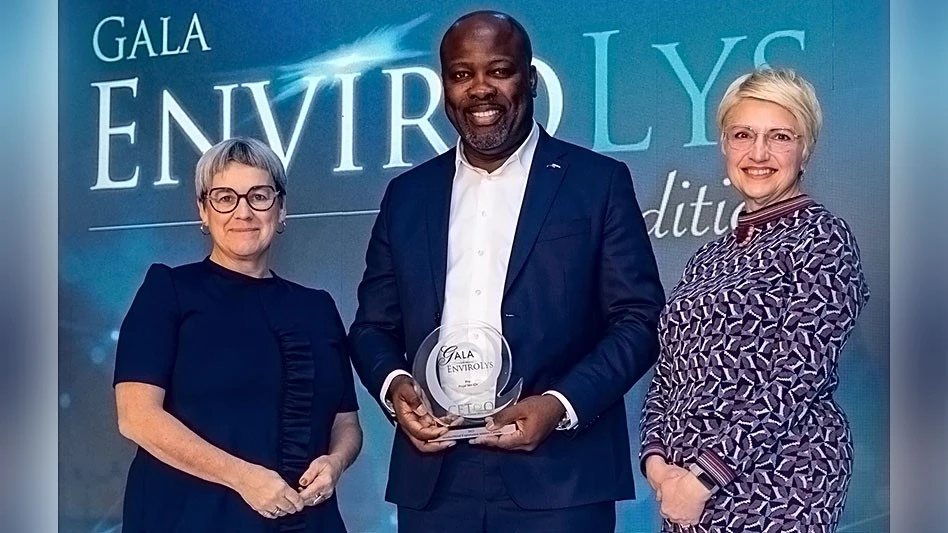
x=522 y=157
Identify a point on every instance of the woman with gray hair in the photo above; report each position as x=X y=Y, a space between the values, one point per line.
x=740 y=431
x=235 y=383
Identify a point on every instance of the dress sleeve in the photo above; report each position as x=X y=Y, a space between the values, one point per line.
x=653 y=412
x=148 y=338
x=348 y=403
x=827 y=293
x=656 y=398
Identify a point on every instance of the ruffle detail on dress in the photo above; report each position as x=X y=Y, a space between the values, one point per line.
x=296 y=414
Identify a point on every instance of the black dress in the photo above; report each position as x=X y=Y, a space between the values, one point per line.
x=257 y=367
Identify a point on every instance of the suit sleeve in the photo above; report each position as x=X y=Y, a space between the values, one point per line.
x=376 y=337
x=631 y=297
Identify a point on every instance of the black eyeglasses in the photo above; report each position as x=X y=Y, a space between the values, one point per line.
x=224 y=199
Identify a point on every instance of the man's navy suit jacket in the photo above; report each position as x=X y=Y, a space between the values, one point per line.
x=580 y=309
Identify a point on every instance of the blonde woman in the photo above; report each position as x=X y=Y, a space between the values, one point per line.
x=740 y=431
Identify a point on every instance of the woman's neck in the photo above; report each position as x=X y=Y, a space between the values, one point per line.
x=255 y=267
x=752 y=206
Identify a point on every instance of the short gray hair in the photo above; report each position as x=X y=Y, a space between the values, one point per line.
x=783 y=87
x=243 y=150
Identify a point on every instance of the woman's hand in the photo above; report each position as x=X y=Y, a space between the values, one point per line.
x=319 y=481
x=266 y=492
x=657 y=472
x=683 y=499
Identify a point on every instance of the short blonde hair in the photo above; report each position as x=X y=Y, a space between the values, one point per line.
x=243 y=150
x=783 y=87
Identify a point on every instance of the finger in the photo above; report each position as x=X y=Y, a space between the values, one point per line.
x=423 y=432
x=318 y=488
x=401 y=404
x=507 y=415
x=294 y=499
x=428 y=420
x=437 y=446
x=420 y=410
x=283 y=507
x=406 y=411
x=410 y=395
x=452 y=420
x=515 y=440
x=486 y=440
x=315 y=500
x=403 y=409
x=319 y=485
x=430 y=447
x=311 y=473
x=320 y=491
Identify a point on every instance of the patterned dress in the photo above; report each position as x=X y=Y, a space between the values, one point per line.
x=744 y=384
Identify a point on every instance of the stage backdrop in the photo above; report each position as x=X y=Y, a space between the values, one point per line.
x=348 y=95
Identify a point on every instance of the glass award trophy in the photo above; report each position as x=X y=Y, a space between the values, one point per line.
x=462 y=373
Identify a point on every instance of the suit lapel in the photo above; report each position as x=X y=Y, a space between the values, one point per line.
x=438 y=205
x=546 y=175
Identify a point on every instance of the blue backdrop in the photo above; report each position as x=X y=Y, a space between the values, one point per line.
x=348 y=94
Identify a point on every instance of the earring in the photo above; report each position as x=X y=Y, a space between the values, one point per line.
x=282 y=227
x=800 y=174
x=204 y=229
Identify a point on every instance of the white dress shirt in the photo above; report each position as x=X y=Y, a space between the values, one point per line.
x=485 y=208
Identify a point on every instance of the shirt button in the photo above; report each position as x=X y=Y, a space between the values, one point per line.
x=480 y=252
x=477 y=292
x=483 y=213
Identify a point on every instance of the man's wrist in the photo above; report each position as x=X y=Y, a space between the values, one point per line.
x=567 y=417
x=396 y=382
x=557 y=406
x=386 y=390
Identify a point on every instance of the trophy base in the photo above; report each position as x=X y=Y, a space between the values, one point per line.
x=473 y=433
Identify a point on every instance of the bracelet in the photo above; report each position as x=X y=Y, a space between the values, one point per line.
x=705 y=478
